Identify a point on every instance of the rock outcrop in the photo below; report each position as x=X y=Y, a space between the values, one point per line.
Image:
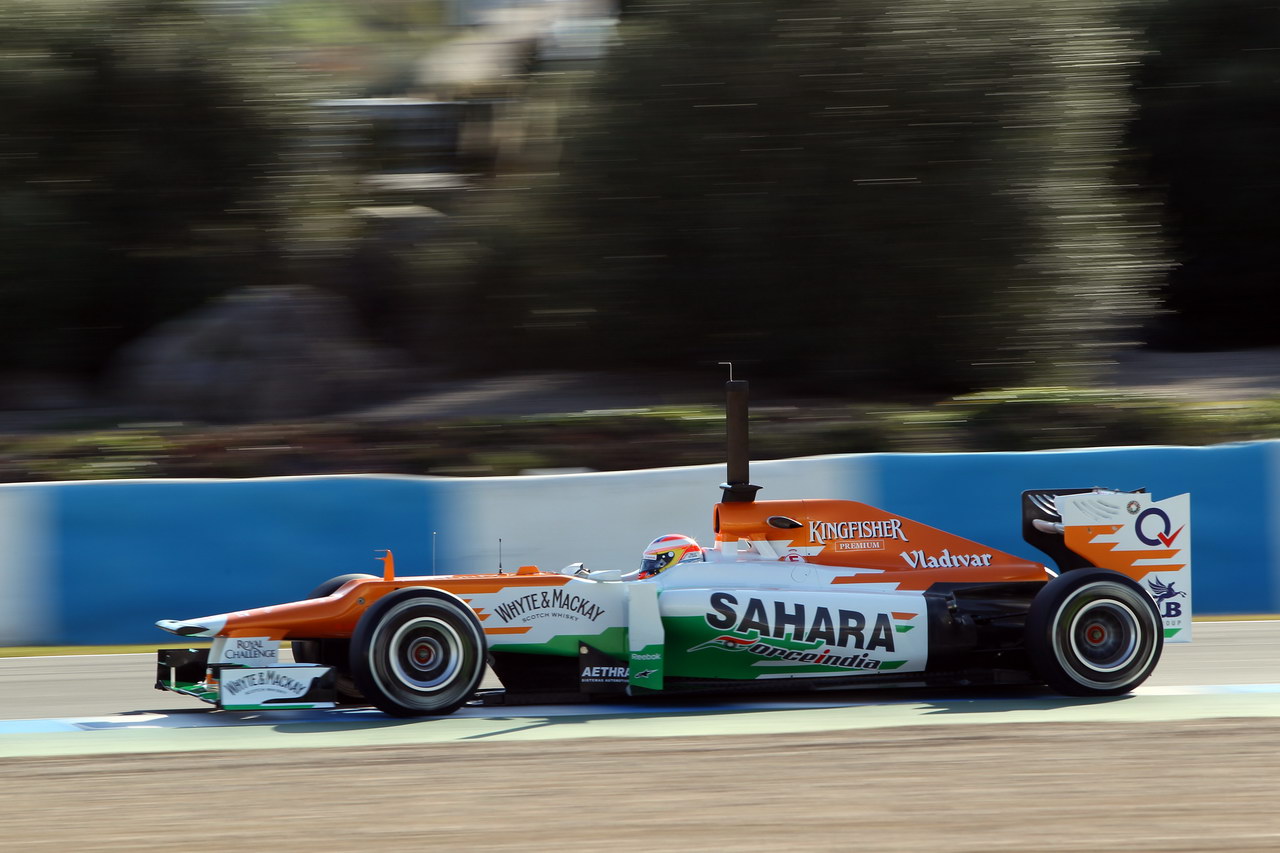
x=257 y=354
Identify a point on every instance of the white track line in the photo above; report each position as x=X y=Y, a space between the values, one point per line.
x=358 y=717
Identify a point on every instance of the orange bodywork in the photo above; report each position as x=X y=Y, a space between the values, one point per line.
x=1084 y=540
x=336 y=615
x=923 y=579
x=907 y=553
x=877 y=547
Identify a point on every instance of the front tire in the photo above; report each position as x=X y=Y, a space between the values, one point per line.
x=1093 y=632
x=418 y=652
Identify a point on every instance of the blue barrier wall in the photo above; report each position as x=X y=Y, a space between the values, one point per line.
x=99 y=562
x=128 y=553
x=977 y=495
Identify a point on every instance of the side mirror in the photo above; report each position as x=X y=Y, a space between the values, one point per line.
x=579 y=570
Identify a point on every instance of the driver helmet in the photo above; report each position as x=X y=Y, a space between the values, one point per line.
x=665 y=551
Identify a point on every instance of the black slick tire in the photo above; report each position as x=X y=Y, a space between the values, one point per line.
x=1093 y=632
x=418 y=652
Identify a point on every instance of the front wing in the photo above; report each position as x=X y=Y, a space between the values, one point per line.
x=255 y=686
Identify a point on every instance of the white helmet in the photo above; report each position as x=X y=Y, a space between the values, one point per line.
x=665 y=551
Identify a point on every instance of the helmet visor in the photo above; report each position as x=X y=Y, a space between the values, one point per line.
x=651 y=564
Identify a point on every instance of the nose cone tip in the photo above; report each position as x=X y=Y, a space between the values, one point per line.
x=192 y=627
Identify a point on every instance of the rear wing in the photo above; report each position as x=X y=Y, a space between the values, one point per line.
x=1127 y=532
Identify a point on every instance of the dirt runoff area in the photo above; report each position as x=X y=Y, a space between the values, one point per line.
x=1210 y=785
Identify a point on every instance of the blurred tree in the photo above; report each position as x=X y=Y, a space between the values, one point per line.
x=147 y=161
x=920 y=194
x=1209 y=118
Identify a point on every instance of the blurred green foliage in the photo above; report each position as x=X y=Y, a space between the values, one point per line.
x=1015 y=419
x=151 y=156
x=882 y=200
x=369 y=47
x=915 y=195
x=1209 y=125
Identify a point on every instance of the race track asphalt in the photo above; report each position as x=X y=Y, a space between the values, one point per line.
x=96 y=685
x=1189 y=764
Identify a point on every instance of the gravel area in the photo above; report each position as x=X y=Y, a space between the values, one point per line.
x=1208 y=785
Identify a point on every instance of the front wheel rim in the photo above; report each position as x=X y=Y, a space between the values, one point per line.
x=425 y=654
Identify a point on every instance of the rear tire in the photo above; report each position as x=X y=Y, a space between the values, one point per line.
x=332 y=652
x=418 y=652
x=1093 y=632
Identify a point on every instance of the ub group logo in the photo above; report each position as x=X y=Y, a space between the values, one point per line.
x=1164 y=593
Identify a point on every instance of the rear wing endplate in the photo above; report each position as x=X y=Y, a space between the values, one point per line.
x=1127 y=532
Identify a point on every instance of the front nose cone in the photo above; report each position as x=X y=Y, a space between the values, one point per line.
x=206 y=627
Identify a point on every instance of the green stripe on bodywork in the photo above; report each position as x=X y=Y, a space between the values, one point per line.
x=693 y=649
x=611 y=641
x=196 y=689
x=280 y=706
x=1169 y=632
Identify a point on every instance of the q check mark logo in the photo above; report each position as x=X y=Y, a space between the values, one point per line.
x=1165 y=537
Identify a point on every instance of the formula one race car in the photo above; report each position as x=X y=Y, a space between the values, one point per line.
x=793 y=594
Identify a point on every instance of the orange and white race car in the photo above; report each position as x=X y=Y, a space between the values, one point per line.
x=792 y=594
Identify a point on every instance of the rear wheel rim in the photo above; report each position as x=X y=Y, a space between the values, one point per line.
x=1104 y=635
x=1103 y=638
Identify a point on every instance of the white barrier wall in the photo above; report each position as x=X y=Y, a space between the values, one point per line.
x=99 y=562
x=26 y=566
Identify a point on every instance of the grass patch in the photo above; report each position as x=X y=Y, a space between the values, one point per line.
x=1011 y=419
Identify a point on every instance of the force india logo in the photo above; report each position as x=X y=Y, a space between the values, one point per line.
x=796 y=634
